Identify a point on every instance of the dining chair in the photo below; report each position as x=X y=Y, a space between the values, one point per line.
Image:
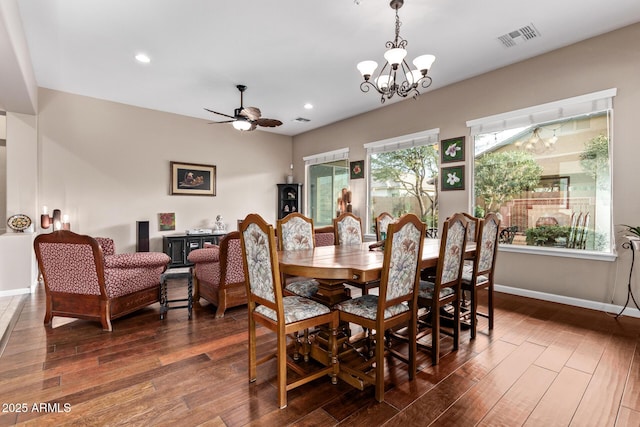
x=394 y=306
x=348 y=231
x=283 y=315
x=480 y=275
x=382 y=223
x=472 y=227
x=445 y=288
x=295 y=232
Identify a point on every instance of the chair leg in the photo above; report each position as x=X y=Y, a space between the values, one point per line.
x=380 y=366
x=413 y=346
x=435 y=334
x=456 y=324
x=252 y=349
x=490 y=305
x=282 y=371
x=474 y=311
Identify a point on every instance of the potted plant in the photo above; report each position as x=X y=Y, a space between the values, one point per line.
x=634 y=232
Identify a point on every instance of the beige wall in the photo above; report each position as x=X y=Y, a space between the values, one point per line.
x=107 y=166
x=600 y=63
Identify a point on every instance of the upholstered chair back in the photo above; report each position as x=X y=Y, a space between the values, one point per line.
x=348 y=229
x=452 y=255
x=382 y=223
x=401 y=269
x=295 y=232
x=486 y=249
x=259 y=242
x=72 y=267
x=325 y=236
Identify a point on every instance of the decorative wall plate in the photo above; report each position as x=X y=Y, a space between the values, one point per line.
x=19 y=222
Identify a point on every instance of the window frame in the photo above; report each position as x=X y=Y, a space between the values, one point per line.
x=565 y=108
x=417 y=139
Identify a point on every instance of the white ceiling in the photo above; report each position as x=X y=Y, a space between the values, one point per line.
x=287 y=52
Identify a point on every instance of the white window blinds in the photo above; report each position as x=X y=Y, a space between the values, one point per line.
x=328 y=157
x=405 y=141
x=583 y=104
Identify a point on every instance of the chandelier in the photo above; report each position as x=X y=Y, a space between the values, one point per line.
x=396 y=76
x=536 y=144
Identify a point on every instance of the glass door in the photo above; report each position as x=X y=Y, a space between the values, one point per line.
x=326 y=181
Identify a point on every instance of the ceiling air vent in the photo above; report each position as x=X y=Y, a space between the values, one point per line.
x=301 y=120
x=519 y=36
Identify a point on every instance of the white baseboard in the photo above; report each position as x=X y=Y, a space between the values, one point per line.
x=13 y=292
x=593 y=305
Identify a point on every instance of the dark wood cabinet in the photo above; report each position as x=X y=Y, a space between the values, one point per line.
x=178 y=246
x=289 y=199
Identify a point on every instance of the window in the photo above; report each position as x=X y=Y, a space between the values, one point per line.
x=327 y=175
x=546 y=172
x=403 y=177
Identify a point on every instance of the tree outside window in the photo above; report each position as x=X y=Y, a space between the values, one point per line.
x=405 y=181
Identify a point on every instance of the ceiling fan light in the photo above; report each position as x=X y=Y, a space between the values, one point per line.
x=242 y=124
x=367 y=68
x=395 y=56
x=424 y=62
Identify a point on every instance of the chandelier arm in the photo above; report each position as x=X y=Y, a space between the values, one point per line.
x=425 y=81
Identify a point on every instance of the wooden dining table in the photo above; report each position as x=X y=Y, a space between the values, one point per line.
x=331 y=266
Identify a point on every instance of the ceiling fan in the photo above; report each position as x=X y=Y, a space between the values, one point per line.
x=246 y=118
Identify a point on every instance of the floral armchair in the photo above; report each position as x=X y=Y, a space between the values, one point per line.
x=219 y=274
x=85 y=279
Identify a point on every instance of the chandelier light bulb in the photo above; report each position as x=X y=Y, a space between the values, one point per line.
x=424 y=63
x=384 y=82
x=413 y=76
x=395 y=56
x=367 y=68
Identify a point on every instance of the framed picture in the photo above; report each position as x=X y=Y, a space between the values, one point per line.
x=167 y=221
x=452 y=178
x=452 y=150
x=357 y=169
x=193 y=179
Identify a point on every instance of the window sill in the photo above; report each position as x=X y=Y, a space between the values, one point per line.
x=559 y=252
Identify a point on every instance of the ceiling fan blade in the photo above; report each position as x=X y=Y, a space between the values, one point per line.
x=270 y=123
x=253 y=126
x=221 y=114
x=252 y=113
x=225 y=121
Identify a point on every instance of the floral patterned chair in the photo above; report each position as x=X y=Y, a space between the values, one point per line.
x=283 y=315
x=445 y=289
x=219 y=274
x=479 y=275
x=85 y=279
x=295 y=232
x=394 y=307
x=348 y=229
x=382 y=223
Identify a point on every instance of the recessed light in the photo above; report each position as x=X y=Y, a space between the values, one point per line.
x=141 y=57
x=308 y=106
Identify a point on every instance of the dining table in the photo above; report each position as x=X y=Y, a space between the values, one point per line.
x=331 y=266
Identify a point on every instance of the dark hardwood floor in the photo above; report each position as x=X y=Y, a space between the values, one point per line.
x=544 y=364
